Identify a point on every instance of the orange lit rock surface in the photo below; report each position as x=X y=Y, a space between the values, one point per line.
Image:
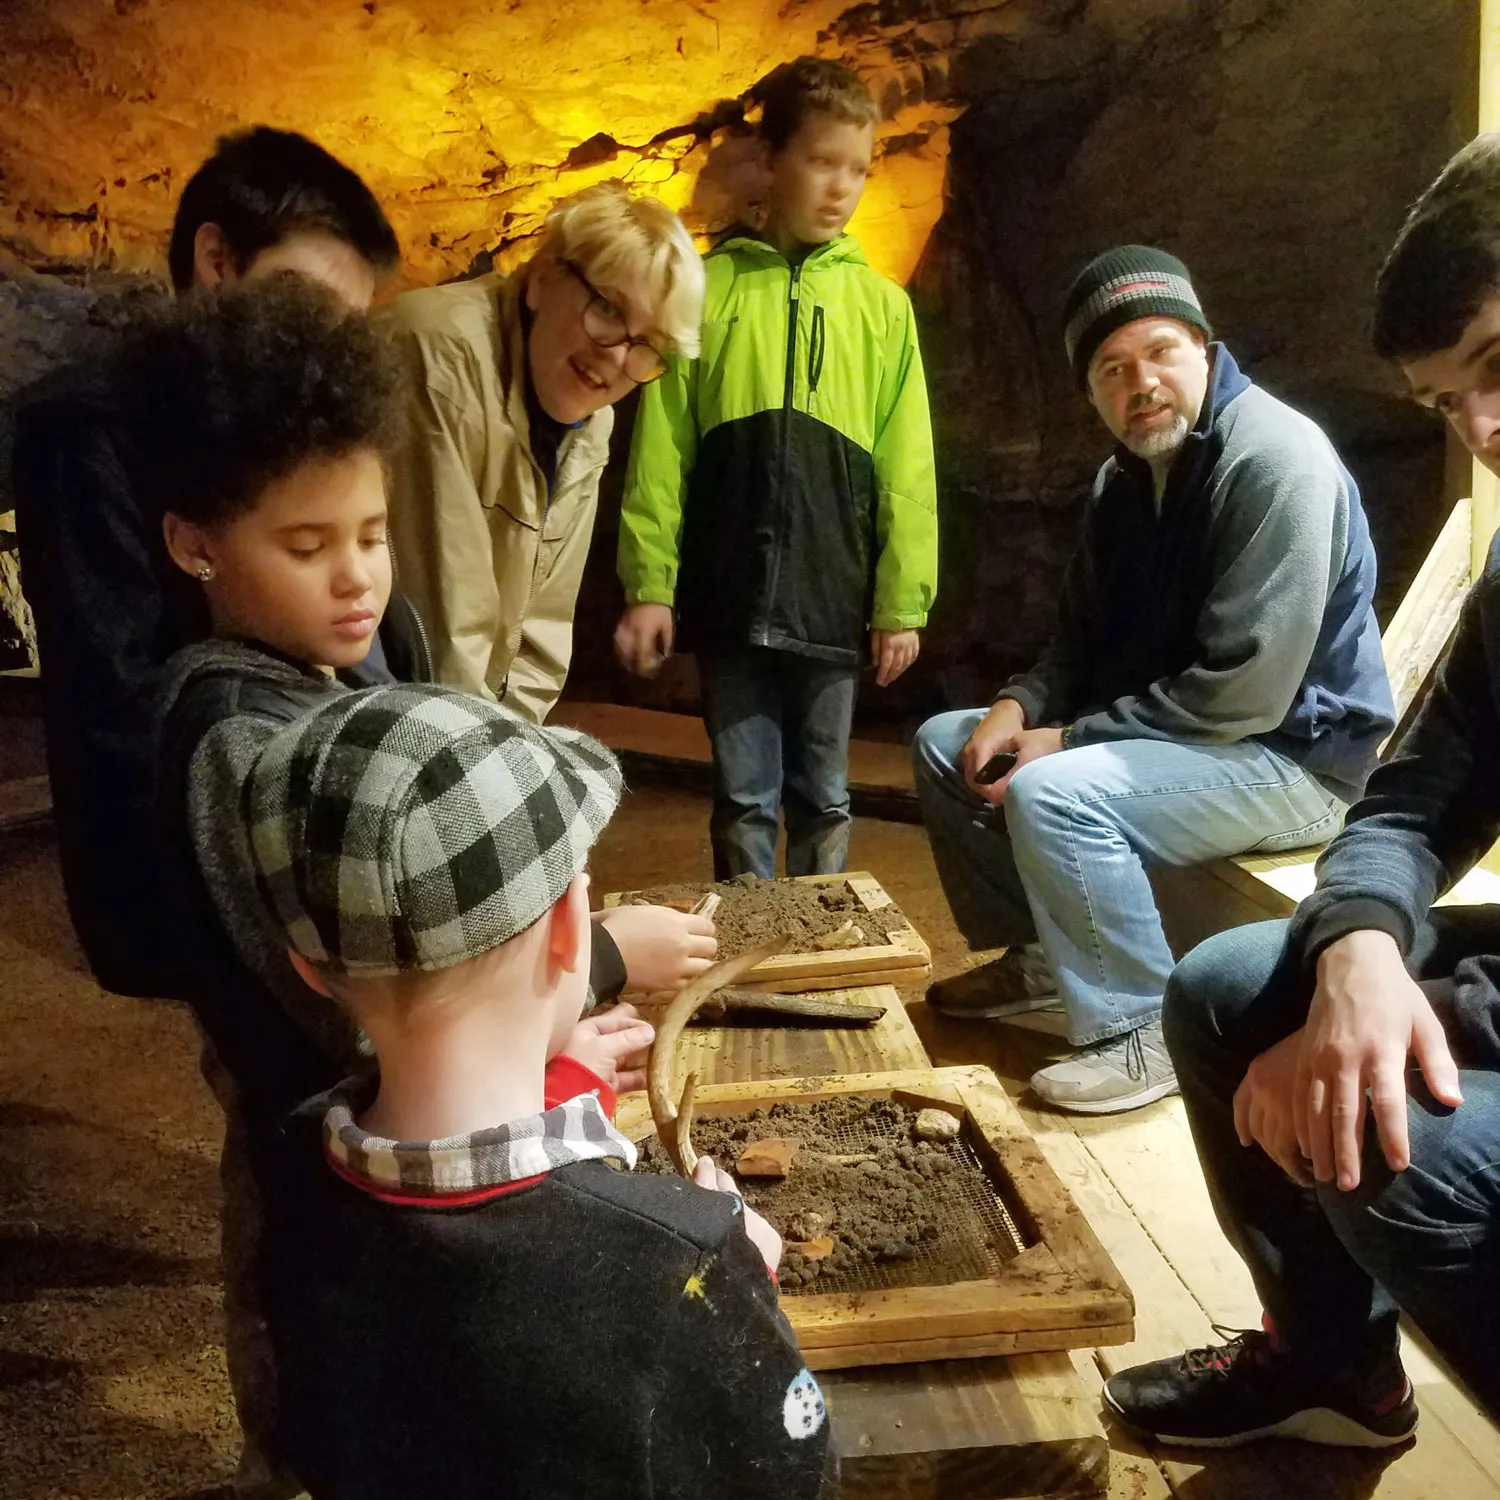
x=467 y=117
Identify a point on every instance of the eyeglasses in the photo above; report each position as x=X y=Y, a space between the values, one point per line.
x=605 y=325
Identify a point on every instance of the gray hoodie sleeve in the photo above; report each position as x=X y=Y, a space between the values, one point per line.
x=1278 y=535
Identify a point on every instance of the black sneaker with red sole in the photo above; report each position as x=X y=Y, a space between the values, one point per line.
x=1247 y=1389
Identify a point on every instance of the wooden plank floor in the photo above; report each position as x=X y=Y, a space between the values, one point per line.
x=1137 y=1179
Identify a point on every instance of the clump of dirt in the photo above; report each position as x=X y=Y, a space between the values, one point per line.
x=862 y=1179
x=752 y=910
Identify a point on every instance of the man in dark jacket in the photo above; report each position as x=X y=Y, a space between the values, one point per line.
x=1214 y=685
x=1293 y=1040
x=109 y=607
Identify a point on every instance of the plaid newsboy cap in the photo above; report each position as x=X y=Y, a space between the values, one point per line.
x=413 y=827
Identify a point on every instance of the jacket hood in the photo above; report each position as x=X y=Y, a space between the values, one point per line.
x=212 y=657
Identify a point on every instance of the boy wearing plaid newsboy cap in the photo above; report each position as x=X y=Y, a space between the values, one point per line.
x=495 y=1305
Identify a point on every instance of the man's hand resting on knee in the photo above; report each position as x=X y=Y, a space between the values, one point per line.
x=1004 y=728
x=1265 y=1107
x=1368 y=1016
x=661 y=948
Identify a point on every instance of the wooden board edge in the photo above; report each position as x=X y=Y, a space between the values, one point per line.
x=977 y=1346
x=1058 y=1220
x=912 y=975
x=1053 y=1306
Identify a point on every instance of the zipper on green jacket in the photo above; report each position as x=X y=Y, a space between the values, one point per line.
x=787 y=409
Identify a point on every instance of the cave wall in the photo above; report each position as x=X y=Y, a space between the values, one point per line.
x=468 y=118
x=1273 y=144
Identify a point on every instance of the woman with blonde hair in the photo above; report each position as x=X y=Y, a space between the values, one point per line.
x=512 y=383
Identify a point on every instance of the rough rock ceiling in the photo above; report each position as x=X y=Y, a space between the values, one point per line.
x=468 y=117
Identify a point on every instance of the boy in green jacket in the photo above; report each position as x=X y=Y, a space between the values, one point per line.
x=781 y=494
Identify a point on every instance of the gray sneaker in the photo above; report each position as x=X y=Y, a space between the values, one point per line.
x=1020 y=980
x=1106 y=1078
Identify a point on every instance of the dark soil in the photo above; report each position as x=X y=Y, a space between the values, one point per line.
x=863 y=1179
x=753 y=910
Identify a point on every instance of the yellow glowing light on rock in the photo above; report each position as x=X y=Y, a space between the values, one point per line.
x=461 y=114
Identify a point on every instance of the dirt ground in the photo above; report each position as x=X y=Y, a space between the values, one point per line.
x=112 y=1382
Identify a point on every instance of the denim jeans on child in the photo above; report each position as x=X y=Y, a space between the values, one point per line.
x=779 y=726
x=1332 y=1267
x=1065 y=861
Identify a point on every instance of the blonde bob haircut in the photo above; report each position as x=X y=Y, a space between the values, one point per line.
x=610 y=234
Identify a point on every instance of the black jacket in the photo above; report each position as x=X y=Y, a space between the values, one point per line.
x=110 y=609
x=594 y=1334
x=1429 y=814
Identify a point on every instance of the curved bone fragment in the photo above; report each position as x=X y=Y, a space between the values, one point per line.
x=667 y=1113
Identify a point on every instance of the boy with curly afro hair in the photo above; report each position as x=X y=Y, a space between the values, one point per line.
x=260 y=423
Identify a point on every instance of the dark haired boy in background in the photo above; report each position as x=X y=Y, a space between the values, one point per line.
x=108 y=610
x=781 y=492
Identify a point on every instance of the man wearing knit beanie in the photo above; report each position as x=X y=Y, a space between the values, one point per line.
x=1214 y=684
x=469 y=1291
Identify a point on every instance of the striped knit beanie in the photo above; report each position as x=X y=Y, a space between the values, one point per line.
x=1116 y=288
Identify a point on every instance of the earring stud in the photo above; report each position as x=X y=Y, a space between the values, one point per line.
x=205 y=572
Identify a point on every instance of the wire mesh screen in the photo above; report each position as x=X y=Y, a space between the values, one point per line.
x=977 y=1234
x=927 y=1214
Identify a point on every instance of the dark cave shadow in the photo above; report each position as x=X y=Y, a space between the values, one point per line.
x=19 y=1368
x=35 y=1259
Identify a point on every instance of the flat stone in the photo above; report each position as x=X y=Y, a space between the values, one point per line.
x=771 y=1157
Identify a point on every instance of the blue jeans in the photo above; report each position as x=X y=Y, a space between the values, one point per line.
x=1065 y=861
x=779 y=727
x=1333 y=1267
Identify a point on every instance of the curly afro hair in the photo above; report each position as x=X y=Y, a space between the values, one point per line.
x=231 y=390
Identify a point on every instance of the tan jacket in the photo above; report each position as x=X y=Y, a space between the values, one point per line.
x=492 y=567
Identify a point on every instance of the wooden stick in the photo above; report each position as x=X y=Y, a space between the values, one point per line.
x=664 y=1109
x=806 y=1010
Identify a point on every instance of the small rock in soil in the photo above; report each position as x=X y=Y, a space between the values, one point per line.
x=771 y=1157
x=936 y=1125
